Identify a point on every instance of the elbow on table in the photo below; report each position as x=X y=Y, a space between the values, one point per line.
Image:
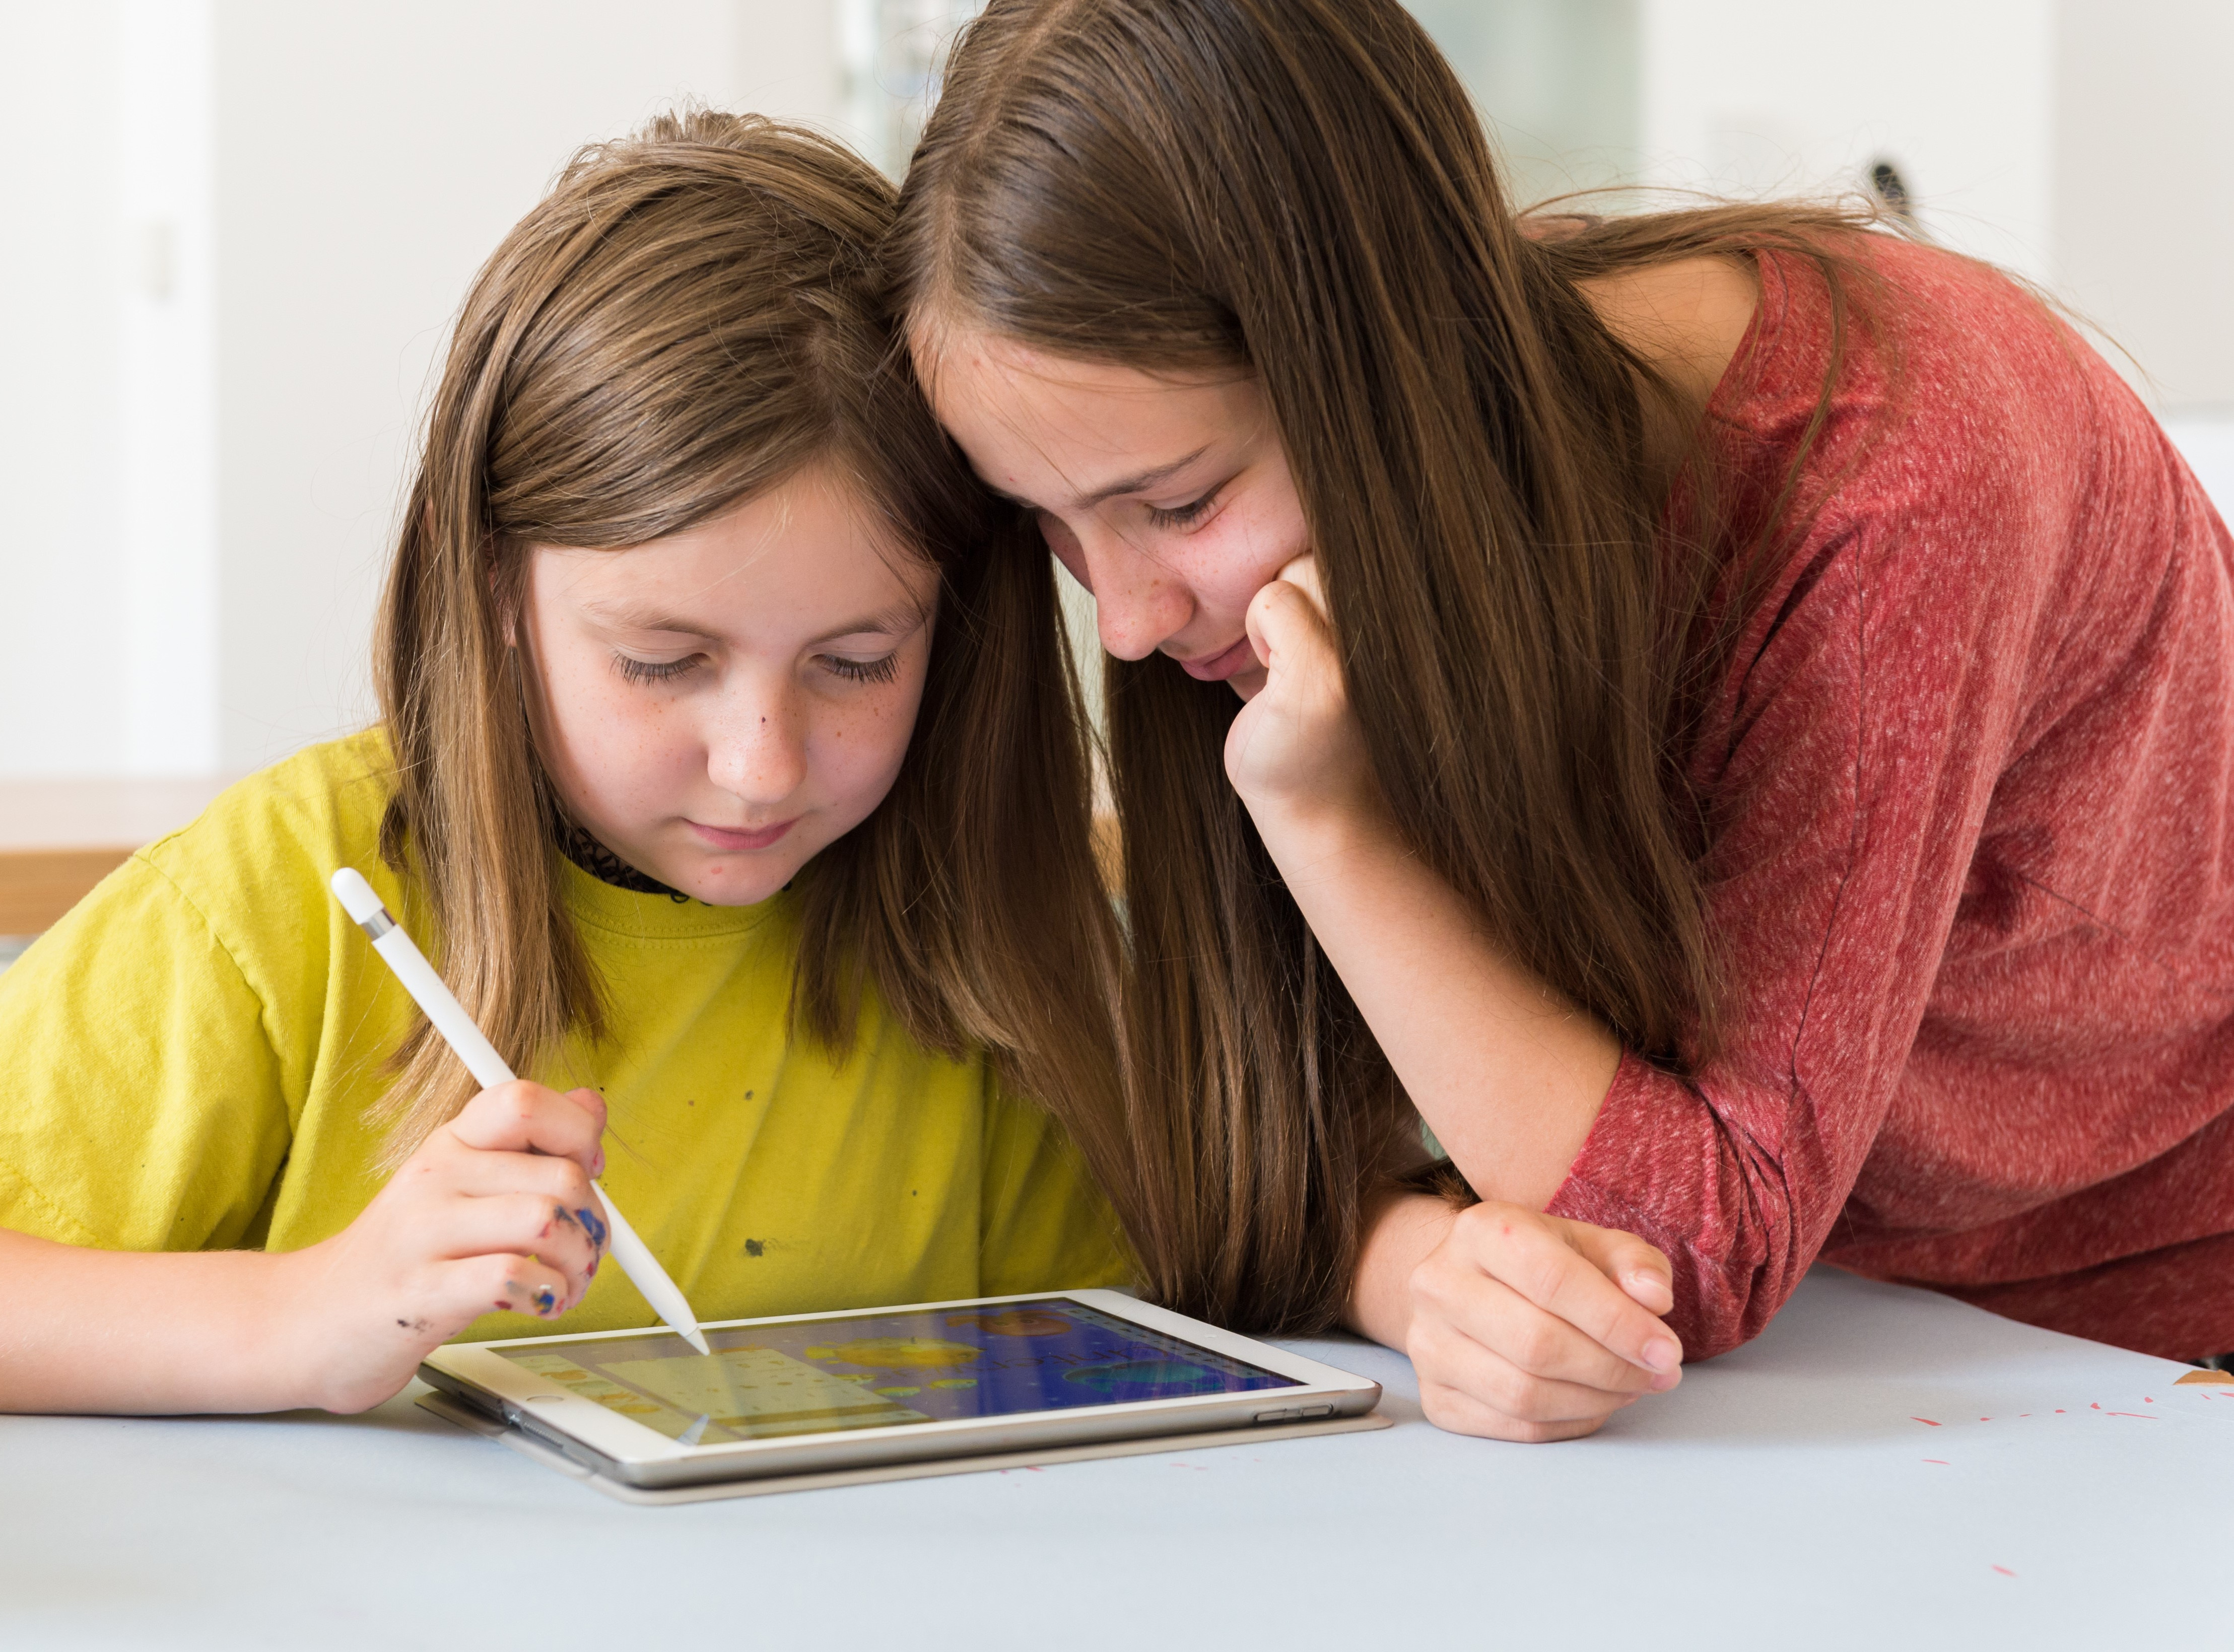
x=1721 y=1308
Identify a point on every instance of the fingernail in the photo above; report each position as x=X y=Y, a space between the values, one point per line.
x=546 y=1301
x=1663 y=1355
x=597 y=1163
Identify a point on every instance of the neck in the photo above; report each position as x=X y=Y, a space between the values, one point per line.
x=1686 y=319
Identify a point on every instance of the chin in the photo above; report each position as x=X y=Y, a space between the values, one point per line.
x=742 y=891
x=735 y=884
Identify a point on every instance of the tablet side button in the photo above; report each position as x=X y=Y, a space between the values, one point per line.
x=1306 y=1413
x=1287 y=1415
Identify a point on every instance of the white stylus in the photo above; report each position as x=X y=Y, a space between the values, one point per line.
x=394 y=944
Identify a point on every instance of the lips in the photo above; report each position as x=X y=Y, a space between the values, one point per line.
x=1216 y=668
x=737 y=840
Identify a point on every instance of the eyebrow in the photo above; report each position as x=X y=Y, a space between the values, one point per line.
x=642 y=619
x=895 y=620
x=1138 y=483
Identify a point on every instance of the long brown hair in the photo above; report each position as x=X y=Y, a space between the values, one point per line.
x=1302 y=190
x=691 y=317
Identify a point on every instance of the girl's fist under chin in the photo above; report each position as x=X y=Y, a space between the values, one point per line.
x=1295 y=746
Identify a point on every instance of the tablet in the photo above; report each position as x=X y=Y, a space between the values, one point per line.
x=892 y=1385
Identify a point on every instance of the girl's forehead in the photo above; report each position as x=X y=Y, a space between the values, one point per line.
x=1053 y=429
x=786 y=559
x=973 y=359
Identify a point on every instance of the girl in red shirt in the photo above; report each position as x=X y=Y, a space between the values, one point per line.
x=1733 y=730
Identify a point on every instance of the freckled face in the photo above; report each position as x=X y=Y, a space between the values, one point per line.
x=1168 y=496
x=720 y=705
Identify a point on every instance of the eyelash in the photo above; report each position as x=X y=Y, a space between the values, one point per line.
x=654 y=671
x=882 y=670
x=1185 y=514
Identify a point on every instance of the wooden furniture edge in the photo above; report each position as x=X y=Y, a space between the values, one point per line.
x=38 y=885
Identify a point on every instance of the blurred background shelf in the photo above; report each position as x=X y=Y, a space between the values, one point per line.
x=59 y=838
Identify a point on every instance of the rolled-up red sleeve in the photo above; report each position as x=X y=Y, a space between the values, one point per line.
x=1969 y=786
x=1850 y=766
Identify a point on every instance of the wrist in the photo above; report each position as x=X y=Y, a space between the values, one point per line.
x=1402 y=1230
x=1328 y=829
x=286 y=1348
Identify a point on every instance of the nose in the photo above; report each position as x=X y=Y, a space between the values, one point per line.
x=1139 y=603
x=756 y=751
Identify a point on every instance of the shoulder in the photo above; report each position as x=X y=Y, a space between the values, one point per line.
x=1909 y=448
x=312 y=813
x=1914 y=357
x=255 y=865
x=1925 y=411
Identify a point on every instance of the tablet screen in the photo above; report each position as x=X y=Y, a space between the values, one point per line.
x=874 y=1370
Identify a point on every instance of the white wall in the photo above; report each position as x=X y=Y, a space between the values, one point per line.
x=369 y=158
x=236 y=229
x=1557 y=82
x=1759 y=97
x=62 y=652
x=249 y=222
x=2144 y=187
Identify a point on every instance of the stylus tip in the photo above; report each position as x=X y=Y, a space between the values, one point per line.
x=696 y=1338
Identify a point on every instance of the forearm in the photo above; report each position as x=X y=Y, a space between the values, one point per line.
x=122 y=1332
x=1508 y=1075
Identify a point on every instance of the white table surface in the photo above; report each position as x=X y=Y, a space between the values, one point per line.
x=1786 y=1496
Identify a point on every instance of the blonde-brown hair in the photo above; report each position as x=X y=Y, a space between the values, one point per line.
x=692 y=315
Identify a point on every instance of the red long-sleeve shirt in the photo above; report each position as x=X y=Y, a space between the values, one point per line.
x=1970 y=781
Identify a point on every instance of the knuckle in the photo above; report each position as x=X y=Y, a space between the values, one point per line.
x=1441 y=1407
x=501 y=1277
x=1536 y=1404
x=1540 y=1274
x=1433 y=1286
x=1526 y=1432
x=1515 y=1393
x=1532 y=1346
x=562 y=1180
x=1495 y=1224
x=1428 y=1344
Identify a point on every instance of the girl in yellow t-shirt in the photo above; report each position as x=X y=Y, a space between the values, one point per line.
x=760 y=840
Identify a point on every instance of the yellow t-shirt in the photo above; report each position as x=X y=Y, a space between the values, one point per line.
x=187 y=1060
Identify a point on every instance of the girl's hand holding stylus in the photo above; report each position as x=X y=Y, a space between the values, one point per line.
x=493 y=1213
x=1521 y=1326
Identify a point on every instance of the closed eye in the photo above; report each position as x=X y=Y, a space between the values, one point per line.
x=882 y=670
x=638 y=670
x=1181 y=516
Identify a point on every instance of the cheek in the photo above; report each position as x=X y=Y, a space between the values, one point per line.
x=1064 y=544
x=614 y=741
x=859 y=744
x=1242 y=553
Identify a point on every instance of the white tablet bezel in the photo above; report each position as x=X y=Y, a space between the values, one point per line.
x=626 y=1449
